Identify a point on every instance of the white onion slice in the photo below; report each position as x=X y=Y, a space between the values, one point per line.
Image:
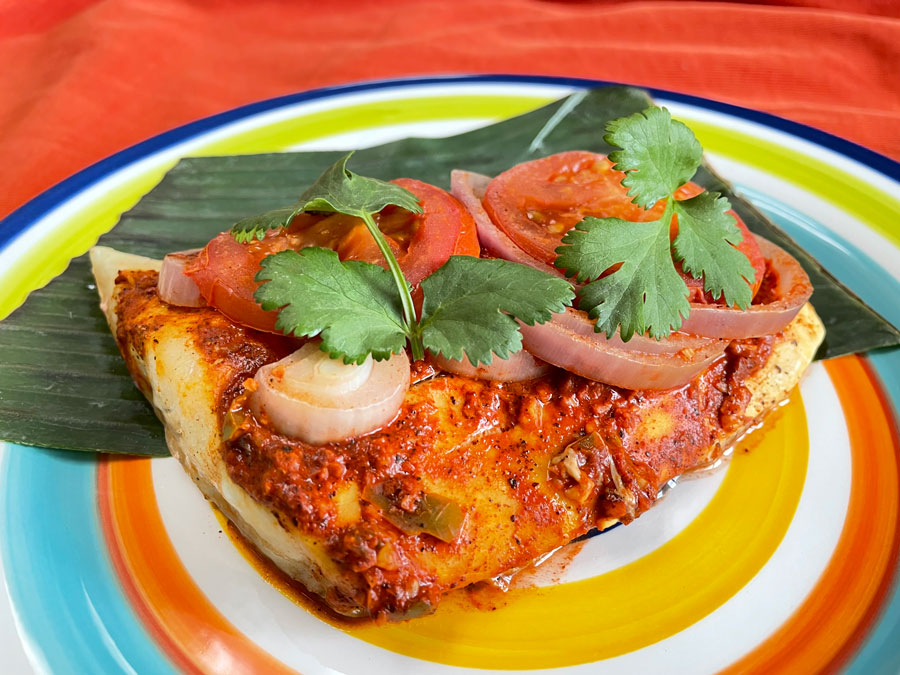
x=315 y=398
x=174 y=286
x=519 y=366
x=793 y=290
x=569 y=341
x=469 y=188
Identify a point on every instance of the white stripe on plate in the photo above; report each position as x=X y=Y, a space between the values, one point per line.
x=44 y=228
x=275 y=623
x=835 y=219
x=763 y=132
x=19 y=656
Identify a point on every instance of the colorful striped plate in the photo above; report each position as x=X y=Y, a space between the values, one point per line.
x=785 y=561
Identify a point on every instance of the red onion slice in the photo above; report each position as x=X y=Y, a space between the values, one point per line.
x=579 y=322
x=174 y=286
x=469 y=188
x=569 y=341
x=792 y=291
x=519 y=366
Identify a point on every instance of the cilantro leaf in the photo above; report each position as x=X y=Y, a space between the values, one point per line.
x=353 y=305
x=641 y=290
x=471 y=305
x=255 y=227
x=337 y=190
x=644 y=294
x=658 y=154
x=704 y=247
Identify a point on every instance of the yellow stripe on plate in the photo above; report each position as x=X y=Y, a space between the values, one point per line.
x=640 y=603
x=80 y=231
x=877 y=209
x=49 y=257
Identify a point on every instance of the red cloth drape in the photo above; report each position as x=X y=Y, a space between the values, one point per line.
x=81 y=79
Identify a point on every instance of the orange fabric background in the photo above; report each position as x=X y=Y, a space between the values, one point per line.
x=81 y=79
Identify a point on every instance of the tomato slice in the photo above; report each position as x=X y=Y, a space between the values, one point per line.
x=224 y=270
x=444 y=228
x=537 y=202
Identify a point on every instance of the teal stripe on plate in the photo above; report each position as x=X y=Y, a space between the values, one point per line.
x=68 y=599
x=65 y=592
x=880 y=649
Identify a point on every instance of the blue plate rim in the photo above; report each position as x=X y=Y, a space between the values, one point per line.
x=23 y=217
x=19 y=220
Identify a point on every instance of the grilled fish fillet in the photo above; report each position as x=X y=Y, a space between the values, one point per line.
x=530 y=465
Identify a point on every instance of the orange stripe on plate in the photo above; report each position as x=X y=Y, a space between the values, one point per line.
x=716 y=555
x=174 y=610
x=829 y=625
x=818 y=637
x=132 y=592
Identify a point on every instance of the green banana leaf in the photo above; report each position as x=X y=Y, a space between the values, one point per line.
x=62 y=381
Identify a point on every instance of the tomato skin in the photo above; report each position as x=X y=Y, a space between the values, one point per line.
x=467 y=241
x=224 y=270
x=748 y=247
x=446 y=228
x=537 y=202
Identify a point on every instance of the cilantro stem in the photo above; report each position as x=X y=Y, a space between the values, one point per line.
x=409 y=310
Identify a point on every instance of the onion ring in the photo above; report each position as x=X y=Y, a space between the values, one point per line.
x=309 y=396
x=519 y=366
x=578 y=322
x=468 y=188
x=792 y=292
x=174 y=286
x=569 y=341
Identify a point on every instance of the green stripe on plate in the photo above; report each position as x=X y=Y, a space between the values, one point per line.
x=50 y=256
x=877 y=209
x=47 y=258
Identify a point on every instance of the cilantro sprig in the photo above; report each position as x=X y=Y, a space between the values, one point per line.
x=339 y=190
x=645 y=293
x=353 y=305
x=470 y=304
